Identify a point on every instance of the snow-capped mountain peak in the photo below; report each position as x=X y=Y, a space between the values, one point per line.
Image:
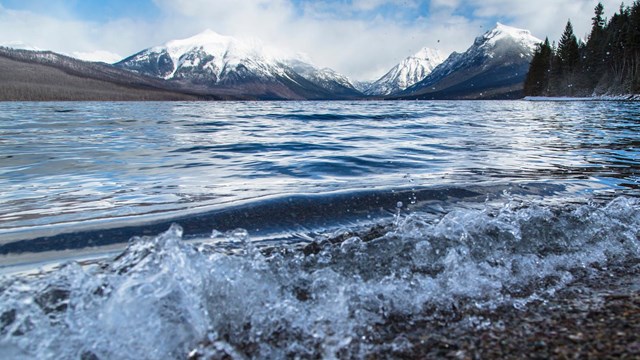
x=212 y=60
x=211 y=55
x=497 y=62
x=428 y=54
x=408 y=72
x=502 y=32
x=208 y=40
x=219 y=45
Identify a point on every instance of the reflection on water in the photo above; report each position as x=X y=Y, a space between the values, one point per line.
x=362 y=223
x=67 y=162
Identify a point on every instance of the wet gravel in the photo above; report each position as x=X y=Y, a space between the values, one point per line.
x=594 y=318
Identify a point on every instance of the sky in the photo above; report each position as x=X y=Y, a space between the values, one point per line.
x=362 y=39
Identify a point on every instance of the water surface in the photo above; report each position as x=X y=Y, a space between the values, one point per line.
x=301 y=228
x=68 y=163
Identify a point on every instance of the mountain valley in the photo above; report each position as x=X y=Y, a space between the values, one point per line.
x=215 y=67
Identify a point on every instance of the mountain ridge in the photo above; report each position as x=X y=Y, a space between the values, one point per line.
x=211 y=60
x=213 y=66
x=495 y=66
x=406 y=73
x=28 y=75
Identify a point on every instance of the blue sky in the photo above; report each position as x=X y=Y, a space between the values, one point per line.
x=105 y=10
x=89 y=10
x=360 y=38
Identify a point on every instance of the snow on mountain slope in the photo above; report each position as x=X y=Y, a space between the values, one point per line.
x=362 y=85
x=324 y=77
x=95 y=56
x=49 y=76
x=19 y=45
x=215 y=60
x=499 y=59
x=208 y=55
x=408 y=72
x=501 y=32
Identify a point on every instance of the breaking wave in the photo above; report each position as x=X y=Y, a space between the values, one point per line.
x=336 y=296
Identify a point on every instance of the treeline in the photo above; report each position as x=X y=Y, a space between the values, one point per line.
x=46 y=76
x=608 y=63
x=24 y=81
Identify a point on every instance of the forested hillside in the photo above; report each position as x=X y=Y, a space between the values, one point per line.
x=607 y=63
x=46 y=76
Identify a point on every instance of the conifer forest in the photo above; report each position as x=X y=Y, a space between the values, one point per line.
x=607 y=63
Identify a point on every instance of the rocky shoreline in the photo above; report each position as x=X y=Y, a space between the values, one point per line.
x=592 y=319
x=587 y=309
x=598 y=318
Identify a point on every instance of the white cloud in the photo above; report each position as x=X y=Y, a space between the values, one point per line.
x=450 y=4
x=367 y=5
x=38 y=30
x=544 y=17
x=329 y=32
x=69 y=36
x=362 y=49
x=98 y=56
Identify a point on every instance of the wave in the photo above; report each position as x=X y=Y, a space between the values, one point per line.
x=266 y=216
x=338 y=295
x=334 y=116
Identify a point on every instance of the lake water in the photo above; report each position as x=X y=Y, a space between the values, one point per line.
x=300 y=226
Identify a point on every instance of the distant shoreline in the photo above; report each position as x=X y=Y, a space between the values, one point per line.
x=627 y=97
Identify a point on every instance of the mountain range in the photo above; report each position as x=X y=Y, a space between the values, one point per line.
x=494 y=67
x=408 y=72
x=210 y=60
x=27 y=75
x=212 y=66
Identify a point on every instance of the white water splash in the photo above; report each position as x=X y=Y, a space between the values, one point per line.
x=163 y=298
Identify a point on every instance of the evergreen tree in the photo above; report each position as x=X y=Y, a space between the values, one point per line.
x=598 y=21
x=568 y=50
x=616 y=32
x=565 y=64
x=608 y=63
x=633 y=46
x=537 y=81
x=555 y=74
x=594 y=53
